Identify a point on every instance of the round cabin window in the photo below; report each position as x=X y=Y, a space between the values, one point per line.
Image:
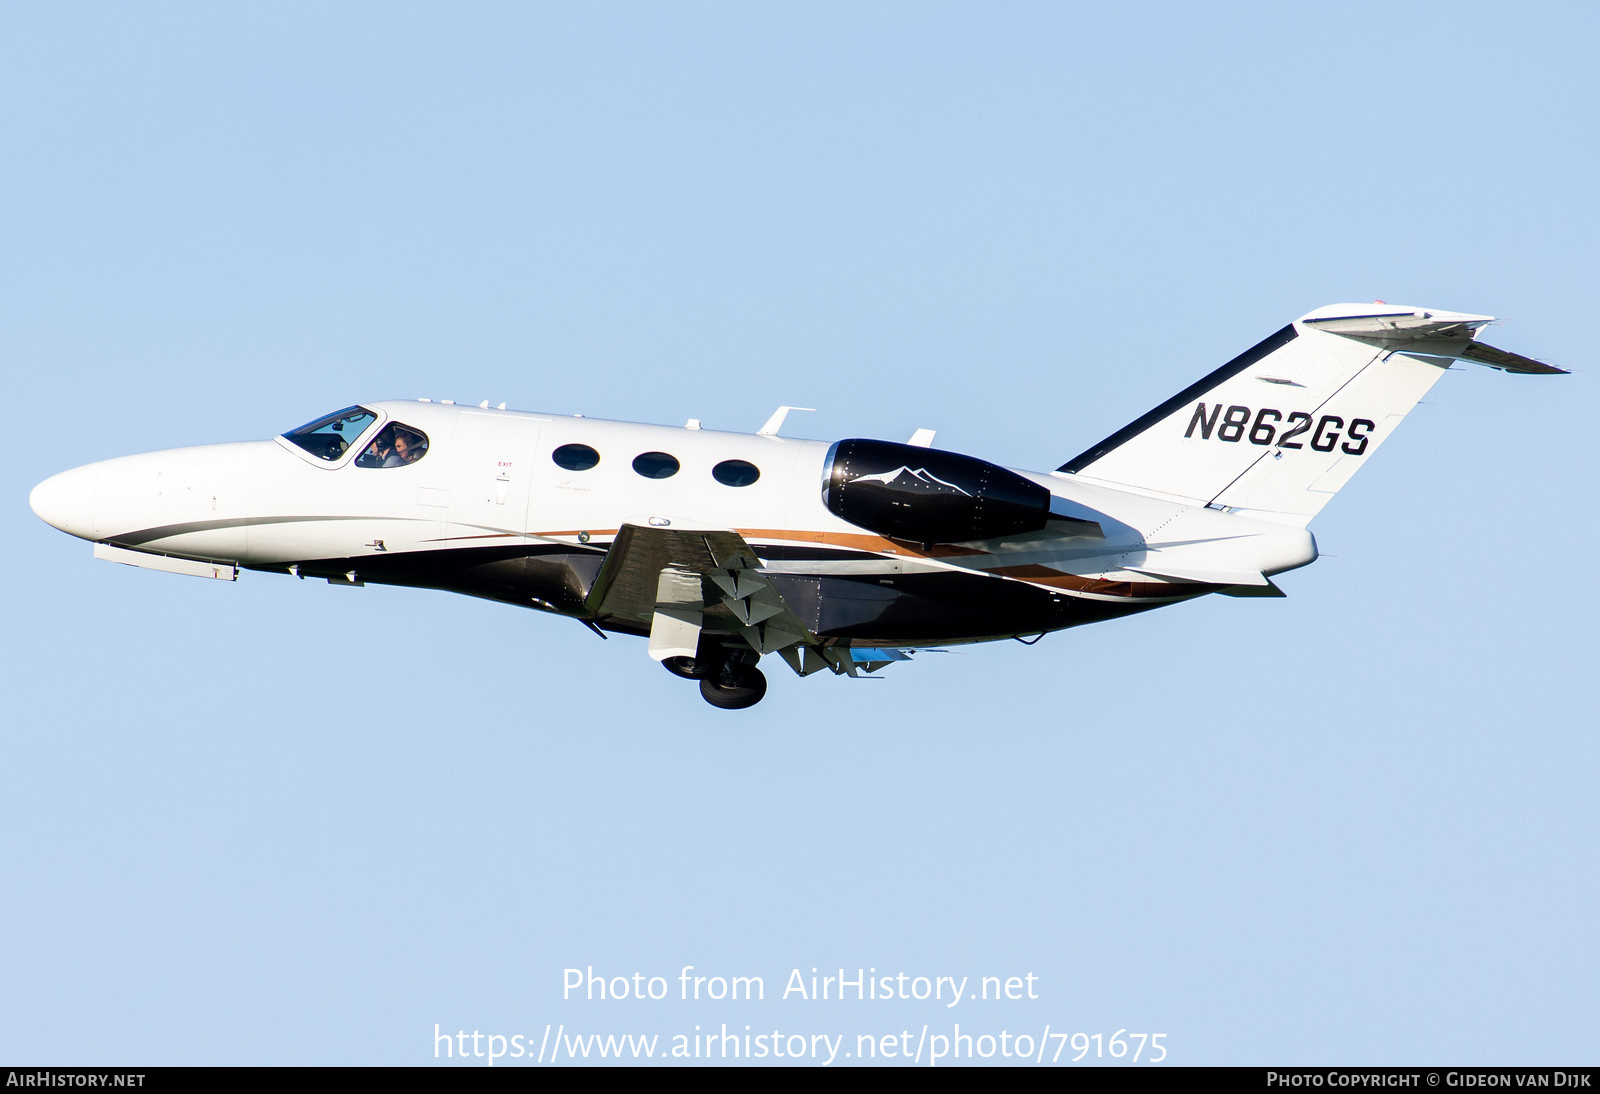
x=655 y=465
x=575 y=457
x=735 y=473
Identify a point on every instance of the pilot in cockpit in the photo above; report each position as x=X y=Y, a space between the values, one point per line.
x=394 y=446
x=406 y=449
x=379 y=453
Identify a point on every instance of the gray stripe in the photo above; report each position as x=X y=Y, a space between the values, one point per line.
x=146 y=535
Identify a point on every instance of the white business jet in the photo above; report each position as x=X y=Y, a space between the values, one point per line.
x=720 y=548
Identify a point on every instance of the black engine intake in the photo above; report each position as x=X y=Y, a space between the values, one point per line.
x=925 y=495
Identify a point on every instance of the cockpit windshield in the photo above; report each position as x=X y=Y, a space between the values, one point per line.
x=329 y=438
x=395 y=446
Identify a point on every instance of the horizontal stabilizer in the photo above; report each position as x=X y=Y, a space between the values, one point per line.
x=1205 y=577
x=1506 y=361
x=1269 y=589
x=1240 y=583
x=1428 y=330
x=1395 y=324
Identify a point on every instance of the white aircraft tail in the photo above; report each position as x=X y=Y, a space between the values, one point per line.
x=1280 y=428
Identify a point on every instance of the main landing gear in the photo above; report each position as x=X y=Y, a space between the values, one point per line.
x=727 y=679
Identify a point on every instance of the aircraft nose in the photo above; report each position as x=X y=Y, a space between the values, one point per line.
x=66 y=501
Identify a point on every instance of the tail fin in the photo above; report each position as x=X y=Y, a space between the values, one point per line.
x=1280 y=428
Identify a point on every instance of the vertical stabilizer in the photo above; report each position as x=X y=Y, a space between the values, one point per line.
x=1280 y=428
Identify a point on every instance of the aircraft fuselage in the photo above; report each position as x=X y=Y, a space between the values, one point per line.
x=488 y=512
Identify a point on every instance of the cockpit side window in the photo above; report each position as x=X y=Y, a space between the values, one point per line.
x=329 y=438
x=395 y=446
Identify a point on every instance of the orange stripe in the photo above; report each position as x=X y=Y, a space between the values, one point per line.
x=1043 y=575
x=1033 y=574
x=860 y=542
x=852 y=540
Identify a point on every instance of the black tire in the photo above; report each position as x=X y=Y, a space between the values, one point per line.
x=745 y=690
x=690 y=668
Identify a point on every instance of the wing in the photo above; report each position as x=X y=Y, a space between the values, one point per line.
x=680 y=583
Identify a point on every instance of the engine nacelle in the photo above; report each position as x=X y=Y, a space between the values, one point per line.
x=926 y=495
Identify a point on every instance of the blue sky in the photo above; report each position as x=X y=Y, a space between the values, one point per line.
x=1353 y=826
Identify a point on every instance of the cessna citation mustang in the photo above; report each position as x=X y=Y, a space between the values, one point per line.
x=723 y=547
